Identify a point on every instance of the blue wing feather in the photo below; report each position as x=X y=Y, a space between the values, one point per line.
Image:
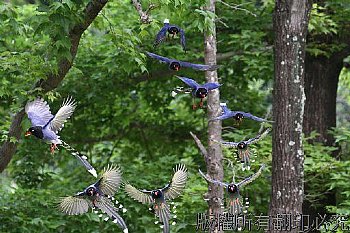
x=160 y=58
x=161 y=35
x=251 y=116
x=217 y=182
x=182 y=39
x=198 y=66
x=190 y=82
x=211 y=86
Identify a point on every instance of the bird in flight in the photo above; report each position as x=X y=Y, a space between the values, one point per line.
x=170 y=30
x=97 y=196
x=200 y=91
x=238 y=116
x=46 y=126
x=158 y=197
x=234 y=203
x=243 y=150
x=176 y=65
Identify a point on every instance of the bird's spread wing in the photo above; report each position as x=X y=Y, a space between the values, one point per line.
x=259 y=137
x=110 y=180
x=189 y=82
x=177 y=184
x=251 y=116
x=106 y=205
x=38 y=112
x=73 y=205
x=198 y=66
x=161 y=36
x=226 y=113
x=211 y=86
x=252 y=177
x=182 y=39
x=159 y=58
x=138 y=195
x=63 y=114
x=163 y=213
x=213 y=181
x=226 y=144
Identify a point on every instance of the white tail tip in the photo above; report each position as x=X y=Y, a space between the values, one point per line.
x=166 y=20
x=126 y=230
x=93 y=172
x=223 y=104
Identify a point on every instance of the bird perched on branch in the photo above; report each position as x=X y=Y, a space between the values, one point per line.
x=172 y=30
x=199 y=91
x=158 y=197
x=97 y=196
x=176 y=65
x=234 y=203
x=243 y=150
x=45 y=126
x=236 y=115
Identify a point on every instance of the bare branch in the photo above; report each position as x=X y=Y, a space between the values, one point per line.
x=200 y=145
x=144 y=15
x=53 y=79
x=237 y=7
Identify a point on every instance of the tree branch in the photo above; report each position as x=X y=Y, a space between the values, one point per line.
x=200 y=145
x=144 y=15
x=53 y=79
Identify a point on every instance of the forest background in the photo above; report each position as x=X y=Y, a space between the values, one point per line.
x=126 y=115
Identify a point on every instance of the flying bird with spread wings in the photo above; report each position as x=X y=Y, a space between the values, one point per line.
x=46 y=126
x=170 y=30
x=97 y=196
x=234 y=203
x=243 y=150
x=238 y=116
x=200 y=91
x=176 y=65
x=158 y=197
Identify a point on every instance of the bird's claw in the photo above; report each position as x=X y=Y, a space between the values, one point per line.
x=194 y=107
x=53 y=147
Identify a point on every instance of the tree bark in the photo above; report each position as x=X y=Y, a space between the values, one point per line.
x=321 y=85
x=53 y=79
x=214 y=157
x=290 y=25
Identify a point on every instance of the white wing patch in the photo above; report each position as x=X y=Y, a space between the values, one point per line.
x=63 y=114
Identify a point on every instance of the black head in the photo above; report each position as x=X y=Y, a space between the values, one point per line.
x=175 y=66
x=91 y=191
x=37 y=131
x=239 y=117
x=232 y=188
x=201 y=93
x=156 y=194
x=242 y=145
x=173 y=30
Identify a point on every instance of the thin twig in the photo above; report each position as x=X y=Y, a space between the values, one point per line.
x=200 y=145
x=237 y=7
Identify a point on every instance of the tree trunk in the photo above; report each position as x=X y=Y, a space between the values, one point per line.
x=290 y=25
x=214 y=157
x=321 y=85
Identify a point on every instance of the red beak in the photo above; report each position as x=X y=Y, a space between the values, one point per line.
x=177 y=68
x=27 y=134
